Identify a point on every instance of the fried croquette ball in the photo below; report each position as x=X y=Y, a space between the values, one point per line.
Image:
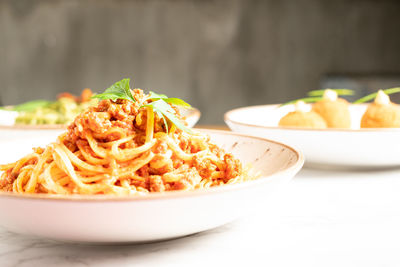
x=334 y=110
x=382 y=113
x=302 y=118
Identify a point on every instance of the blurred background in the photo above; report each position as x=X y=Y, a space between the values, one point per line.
x=217 y=55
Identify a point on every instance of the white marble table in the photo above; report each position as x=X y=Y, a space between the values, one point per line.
x=322 y=218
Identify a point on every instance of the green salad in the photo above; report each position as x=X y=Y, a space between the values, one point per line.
x=62 y=111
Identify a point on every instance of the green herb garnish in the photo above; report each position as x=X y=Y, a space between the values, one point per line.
x=317 y=95
x=119 y=90
x=373 y=95
x=29 y=106
x=162 y=108
x=173 y=100
x=321 y=92
x=160 y=103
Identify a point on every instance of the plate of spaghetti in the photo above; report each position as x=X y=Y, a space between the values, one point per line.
x=130 y=170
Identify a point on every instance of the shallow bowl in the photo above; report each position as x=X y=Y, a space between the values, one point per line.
x=157 y=216
x=353 y=147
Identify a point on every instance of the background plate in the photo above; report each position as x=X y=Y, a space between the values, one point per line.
x=339 y=147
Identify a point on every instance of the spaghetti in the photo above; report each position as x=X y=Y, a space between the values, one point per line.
x=122 y=147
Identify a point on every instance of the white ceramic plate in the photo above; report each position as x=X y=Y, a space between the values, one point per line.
x=336 y=147
x=154 y=217
x=9 y=131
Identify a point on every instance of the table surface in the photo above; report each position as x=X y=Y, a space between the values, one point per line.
x=321 y=218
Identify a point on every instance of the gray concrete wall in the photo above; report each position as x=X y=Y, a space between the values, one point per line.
x=216 y=54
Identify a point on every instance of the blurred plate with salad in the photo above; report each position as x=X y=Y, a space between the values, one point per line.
x=44 y=112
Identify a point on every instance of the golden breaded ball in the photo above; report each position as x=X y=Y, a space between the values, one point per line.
x=303 y=119
x=381 y=116
x=335 y=113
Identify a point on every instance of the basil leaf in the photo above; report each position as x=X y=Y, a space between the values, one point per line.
x=173 y=100
x=155 y=96
x=111 y=96
x=119 y=90
x=178 y=102
x=162 y=107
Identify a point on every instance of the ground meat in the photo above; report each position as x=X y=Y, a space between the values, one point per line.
x=204 y=166
x=156 y=184
x=157 y=168
x=233 y=167
x=160 y=147
x=144 y=171
x=177 y=162
x=71 y=145
x=103 y=106
x=111 y=137
x=97 y=122
x=7 y=183
x=117 y=113
x=186 y=144
x=82 y=142
x=190 y=179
